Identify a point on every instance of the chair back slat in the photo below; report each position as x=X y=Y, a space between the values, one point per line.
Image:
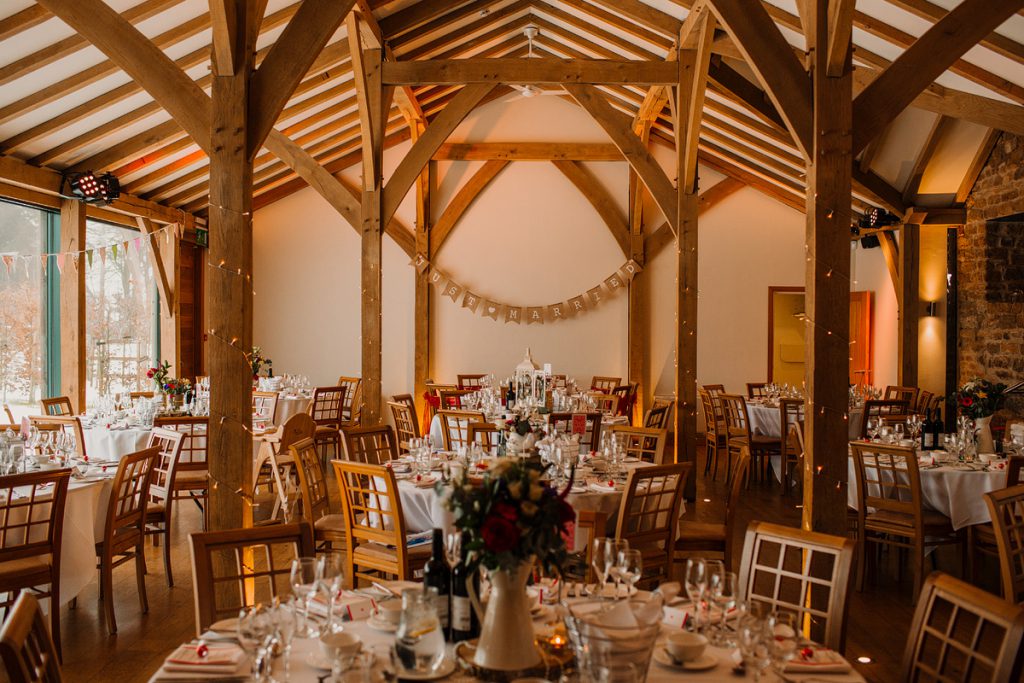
x=373 y=445
x=791 y=412
x=886 y=409
x=659 y=415
x=649 y=514
x=455 y=426
x=26 y=648
x=590 y=440
x=194 y=443
x=254 y=565
x=352 y=404
x=485 y=435
x=1006 y=510
x=757 y=390
x=711 y=415
x=472 y=382
x=312 y=483
x=298 y=427
x=643 y=444
x=606 y=404
x=962 y=633
x=736 y=418
x=1014 y=469
x=66 y=423
x=403 y=411
x=732 y=504
x=168 y=443
x=908 y=396
x=888 y=479
x=327 y=406
x=126 y=509
x=32 y=514
x=604 y=384
x=57 y=406
x=802 y=572
x=264 y=405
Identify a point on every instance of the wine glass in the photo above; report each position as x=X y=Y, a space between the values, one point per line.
x=330 y=579
x=285 y=620
x=873 y=425
x=785 y=638
x=600 y=560
x=304 y=583
x=630 y=568
x=696 y=584
x=897 y=432
x=615 y=549
x=753 y=639
x=255 y=635
x=723 y=589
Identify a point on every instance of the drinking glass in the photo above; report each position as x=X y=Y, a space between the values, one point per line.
x=785 y=638
x=897 y=430
x=285 y=621
x=723 y=590
x=872 y=428
x=600 y=559
x=255 y=636
x=753 y=639
x=330 y=580
x=304 y=583
x=630 y=567
x=419 y=641
x=696 y=584
x=615 y=549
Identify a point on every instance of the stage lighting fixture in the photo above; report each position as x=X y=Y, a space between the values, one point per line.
x=90 y=188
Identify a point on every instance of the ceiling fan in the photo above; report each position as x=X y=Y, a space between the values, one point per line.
x=530 y=32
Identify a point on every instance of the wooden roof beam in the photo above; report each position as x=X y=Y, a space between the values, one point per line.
x=533 y=71
x=22 y=21
x=996 y=42
x=924 y=61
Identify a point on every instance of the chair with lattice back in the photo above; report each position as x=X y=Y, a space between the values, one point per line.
x=407 y=428
x=604 y=384
x=69 y=424
x=327 y=410
x=160 y=509
x=646 y=445
x=328 y=530
x=606 y=404
x=472 y=382
x=659 y=415
x=57 y=406
x=374 y=524
x=649 y=516
x=192 y=478
x=889 y=410
x=9 y=414
x=485 y=435
x=791 y=413
x=908 y=395
x=699 y=538
x=963 y=634
x=124 y=533
x=1006 y=509
x=716 y=438
x=254 y=565
x=757 y=390
x=454 y=427
x=585 y=425
x=373 y=445
x=31 y=529
x=981 y=538
x=27 y=650
x=264 y=406
x=352 y=403
x=739 y=434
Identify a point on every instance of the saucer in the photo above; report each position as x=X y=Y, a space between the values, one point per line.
x=446 y=667
x=702 y=663
x=381 y=624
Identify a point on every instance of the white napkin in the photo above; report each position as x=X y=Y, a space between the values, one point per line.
x=351 y=606
x=219 y=659
x=820 y=660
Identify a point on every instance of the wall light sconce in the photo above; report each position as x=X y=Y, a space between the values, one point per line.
x=931 y=309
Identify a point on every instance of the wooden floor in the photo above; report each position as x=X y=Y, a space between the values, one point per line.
x=877 y=628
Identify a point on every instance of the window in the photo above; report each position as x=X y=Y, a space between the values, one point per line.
x=24 y=235
x=121 y=311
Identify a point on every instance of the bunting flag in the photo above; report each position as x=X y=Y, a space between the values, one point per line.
x=103 y=256
x=532 y=315
x=113 y=251
x=60 y=263
x=8 y=260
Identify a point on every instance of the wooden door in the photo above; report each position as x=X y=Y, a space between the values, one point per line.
x=861 y=330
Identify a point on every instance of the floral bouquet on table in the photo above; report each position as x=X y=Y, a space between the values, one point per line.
x=260 y=362
x=165 y=383
x=512 y=516
x=980 y=398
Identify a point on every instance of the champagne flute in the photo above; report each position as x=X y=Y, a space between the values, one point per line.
x=616 y=547
x=599 y=561
x=631 y=568
x=696 y=583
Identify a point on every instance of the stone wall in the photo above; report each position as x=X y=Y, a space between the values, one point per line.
x=991 y=271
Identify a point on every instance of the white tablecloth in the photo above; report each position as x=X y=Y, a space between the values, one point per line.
x=766 y=420
x=288 y=406
x=957 y=492
x=102 y=443
x=84 y=519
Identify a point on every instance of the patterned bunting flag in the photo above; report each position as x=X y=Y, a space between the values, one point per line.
x=513 y=314
x=113 y=251
x=88 y=255
x=452 y=290
x=8 y=260
x=491 y=309
x=136 y=242
x=470 y=301
x=103 y=255
x=535 y=314
x=556 y=312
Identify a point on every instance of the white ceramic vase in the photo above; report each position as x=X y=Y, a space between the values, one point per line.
x=506 y=639
x=983 y=428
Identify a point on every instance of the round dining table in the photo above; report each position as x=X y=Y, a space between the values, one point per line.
x=766 y=419
x=104 y=442
x=289 y=405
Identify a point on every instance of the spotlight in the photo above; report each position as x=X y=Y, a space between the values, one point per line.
x=90 y=188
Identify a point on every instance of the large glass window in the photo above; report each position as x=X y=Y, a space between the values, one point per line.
x=23 y=294
x=120 y=313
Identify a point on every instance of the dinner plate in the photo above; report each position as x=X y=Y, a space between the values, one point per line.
x=446 y=667
x=225 y=626
x=381 y=624
x=702 y=663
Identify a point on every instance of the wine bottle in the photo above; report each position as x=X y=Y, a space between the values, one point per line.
x=465 y=624
x=510 y=397
x=937 y=430
x=927 y=442
x=437 y=575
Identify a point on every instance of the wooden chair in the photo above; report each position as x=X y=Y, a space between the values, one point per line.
x=264 y=405
x=1006 y=508
x=67 y=423
x=803 y=572
x=757 y=390
x=124 y=533
x=924 y=401
x=471 y=382
x=451 y=399
x=372 y=445
x=257 y=562
x=889 y=483
x=590 y=439
x=26 y=647
x=57 y=406
x=433 y=402
x=649 y=514
x=961 y=633
x=908 y=395
x=159 y=511
x=327 y=410
x=647 y=445
x=328 y=527
x=886 y=409
x=791 y=412
x=660 y=415
x=981 y=538
x=192 y=474
x=716 y=436
x=352 y=403
x=485 y=435
x=737 y=425
x=407 y=428
x=590 y=524
x=31 y=529
x=374 y=524
x=626 y=394
x=135 y=395
x=703 y=537
x=714 y=389
x=604 y=384
x=10 y=415
x=273 y=469
x=454 y=424
x=606 y=404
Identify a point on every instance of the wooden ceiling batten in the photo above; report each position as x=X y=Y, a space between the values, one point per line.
x=22 y=21
x=996 y=42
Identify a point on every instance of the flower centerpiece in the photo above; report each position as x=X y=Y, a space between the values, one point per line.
x=979 y=399
x=519 y=435
x=165 y=383
x=260 y=362
x=512 y=519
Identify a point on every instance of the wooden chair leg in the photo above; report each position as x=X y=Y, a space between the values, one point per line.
x=167 y=549
x=864 y=549
x=140 y=575
x=107 y=593
x=55 y=615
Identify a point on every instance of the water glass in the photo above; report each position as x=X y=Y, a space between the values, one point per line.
x=256 y=636
x=419 y=641
x=696 y=584
x=754 y=642
x=285 y=619
x=722 y=589
x=785 y=638
x=601 y=560
x=630 y=567
x=304 y=585
x=330 y=581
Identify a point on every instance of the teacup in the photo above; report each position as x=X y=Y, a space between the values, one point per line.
x=389 y=611
x=686 y=646
x=340 y=644
x=988 y=457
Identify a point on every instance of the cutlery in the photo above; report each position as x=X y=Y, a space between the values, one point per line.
x=387 y=590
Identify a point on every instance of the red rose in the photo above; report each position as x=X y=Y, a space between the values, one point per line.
x=150 y=373
x=506 y=511
x=967 y=401
x=499 y=534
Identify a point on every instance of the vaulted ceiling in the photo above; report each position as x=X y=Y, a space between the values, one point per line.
x=63 y=105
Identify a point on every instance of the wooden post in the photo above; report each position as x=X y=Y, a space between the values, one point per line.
x=639 y=329
x=372 y=233
x=72 y=305
x=421 y=321
x=909 y=303
x=229 y=288
x=829 y=188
